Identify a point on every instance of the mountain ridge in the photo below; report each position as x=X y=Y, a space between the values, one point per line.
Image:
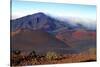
x=47 y=23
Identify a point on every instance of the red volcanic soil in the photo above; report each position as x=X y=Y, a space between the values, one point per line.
x=75 y=37
x=81 y=34
x=77 y=34
x=93 y=34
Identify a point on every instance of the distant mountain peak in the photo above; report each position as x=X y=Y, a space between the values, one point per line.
x=42 y=21
x=37 y=21
x=39 y=14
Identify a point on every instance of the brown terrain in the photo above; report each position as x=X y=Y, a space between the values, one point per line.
x=40 y=39
x=27 y=41
x=21 y=60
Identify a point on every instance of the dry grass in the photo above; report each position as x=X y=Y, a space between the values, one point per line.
x=89 y=55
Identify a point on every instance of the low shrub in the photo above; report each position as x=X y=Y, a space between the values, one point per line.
x=51 y=55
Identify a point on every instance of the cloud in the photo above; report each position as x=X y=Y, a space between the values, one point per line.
x=89 y=2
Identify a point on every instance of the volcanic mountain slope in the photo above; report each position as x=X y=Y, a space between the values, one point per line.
x=79 y=39
x=42 y=31
x=36 y=22
x=27 y=40
x=34 y=32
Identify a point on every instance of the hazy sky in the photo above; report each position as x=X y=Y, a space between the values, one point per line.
x=21 y=8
